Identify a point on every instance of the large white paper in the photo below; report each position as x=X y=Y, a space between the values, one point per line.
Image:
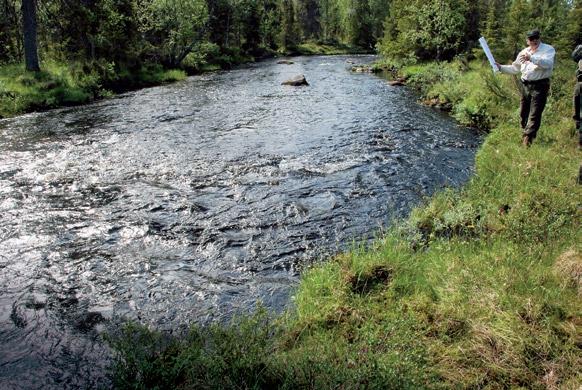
x=485 y=47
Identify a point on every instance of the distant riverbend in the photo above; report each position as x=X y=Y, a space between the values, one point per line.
x=191 y=202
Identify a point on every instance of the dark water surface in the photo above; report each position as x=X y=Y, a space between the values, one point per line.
x=190 y=202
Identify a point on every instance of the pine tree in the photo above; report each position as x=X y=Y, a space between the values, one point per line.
x=571 y=34
x=519 y=21
x=289 y=34
x=308 y=18
x=493 y=26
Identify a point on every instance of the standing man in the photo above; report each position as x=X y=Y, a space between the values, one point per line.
x=577 y=56
x=536 y=64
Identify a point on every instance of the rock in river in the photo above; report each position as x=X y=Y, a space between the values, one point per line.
x=296 y=81
x=285 y=62
x=397 y=82
x=362 y=69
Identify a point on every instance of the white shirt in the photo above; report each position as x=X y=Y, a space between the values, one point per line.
x=540 y=66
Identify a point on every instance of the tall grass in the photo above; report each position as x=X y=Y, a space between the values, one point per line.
x=60 y=84
x=56 y=85
x=478 y=288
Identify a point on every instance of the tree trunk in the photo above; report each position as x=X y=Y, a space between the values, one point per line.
x=29 y=27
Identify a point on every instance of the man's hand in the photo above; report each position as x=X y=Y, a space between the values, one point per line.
x=523 y=58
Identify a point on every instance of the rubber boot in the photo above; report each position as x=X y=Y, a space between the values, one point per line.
x=526 y=140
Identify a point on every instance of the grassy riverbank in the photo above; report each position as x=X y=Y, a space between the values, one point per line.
x=67 y=84
x=60 y=84
x=479 y=288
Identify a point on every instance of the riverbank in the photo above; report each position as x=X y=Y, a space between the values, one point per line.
x=479 y=287
x=68 y=84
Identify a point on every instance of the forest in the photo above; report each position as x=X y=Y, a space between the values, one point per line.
x=80 y=51
x=117 y=37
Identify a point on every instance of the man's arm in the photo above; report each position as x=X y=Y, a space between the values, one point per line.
x=577 y=53
x=545 y=59
x=514 y=68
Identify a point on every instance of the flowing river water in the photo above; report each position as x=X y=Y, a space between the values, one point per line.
x=192 y=201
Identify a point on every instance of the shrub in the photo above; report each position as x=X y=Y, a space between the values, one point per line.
x=423 y=77
x=200 y=56
x=475 y=111
x=446 y=216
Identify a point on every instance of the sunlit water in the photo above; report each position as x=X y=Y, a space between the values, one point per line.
x=193 y=201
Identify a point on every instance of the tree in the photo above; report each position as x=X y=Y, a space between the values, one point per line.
x=30 y=38
x=174 y=27
x=289 y=33
x=219 y=21
x=549 y=17
x=269 y=24
x=494 y=22
x=572 y=32
x=378 y=12
x=426 y=30
x=10 y=37
x=308 y=18
x=329 y=20
x=519 y=21
x=356 y=26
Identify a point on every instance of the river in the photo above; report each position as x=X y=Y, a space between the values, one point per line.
x=192 y=201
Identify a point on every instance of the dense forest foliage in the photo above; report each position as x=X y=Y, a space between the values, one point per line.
x=81 y=50
x=185 y=33
x=176 y=33
x=442 y=29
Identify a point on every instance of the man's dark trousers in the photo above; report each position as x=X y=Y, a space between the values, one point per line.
x=533 y=102
x=577 y=91
x=577 y=113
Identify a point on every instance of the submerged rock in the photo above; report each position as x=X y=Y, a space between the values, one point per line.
x=437 y=103
x=285 y=62
x=86 y=321
x=296 y=81
x=363 y=69
x=397 y=82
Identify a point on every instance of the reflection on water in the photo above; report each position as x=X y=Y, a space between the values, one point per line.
x=193 y=201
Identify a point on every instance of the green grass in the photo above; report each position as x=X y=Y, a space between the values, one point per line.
x=57 y=85
x=61 y=84
x=323 y=48
x=478 y=288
